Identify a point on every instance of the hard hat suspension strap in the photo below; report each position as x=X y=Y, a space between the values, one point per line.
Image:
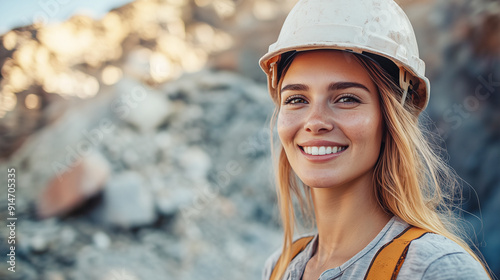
x=405 y=83
x=273 y=71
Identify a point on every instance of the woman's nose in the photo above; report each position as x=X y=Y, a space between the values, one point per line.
x=319 y=120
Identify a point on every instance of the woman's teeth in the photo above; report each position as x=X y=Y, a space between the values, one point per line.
x=319 y=151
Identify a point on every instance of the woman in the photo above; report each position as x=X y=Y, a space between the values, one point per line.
x=348 y=87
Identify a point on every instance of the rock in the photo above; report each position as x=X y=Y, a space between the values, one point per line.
x=67 y=236
x=172 y=198
x=140 y=105
x=39 y=244
x=195 y=161
x=101 y=240
x=128 y=202
x=69 y=189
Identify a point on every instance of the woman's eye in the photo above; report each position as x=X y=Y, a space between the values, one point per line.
x=348 y=99
x=295 y=100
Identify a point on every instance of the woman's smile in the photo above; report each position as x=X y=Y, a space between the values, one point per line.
x=317 y=151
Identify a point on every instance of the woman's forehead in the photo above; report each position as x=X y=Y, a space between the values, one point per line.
x=330 y=63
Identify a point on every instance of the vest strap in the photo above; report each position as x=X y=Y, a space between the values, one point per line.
x=390 y=257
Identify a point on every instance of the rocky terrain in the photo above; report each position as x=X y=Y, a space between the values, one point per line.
x=187 y=184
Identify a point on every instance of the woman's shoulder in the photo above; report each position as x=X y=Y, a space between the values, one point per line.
x=270 y=264
x=273 y=258
x=434 y=256
x=434 y=245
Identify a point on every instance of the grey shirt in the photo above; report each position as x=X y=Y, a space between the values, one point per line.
x=430 y=257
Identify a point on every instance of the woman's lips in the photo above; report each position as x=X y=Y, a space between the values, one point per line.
x=322 y=150
x=322 y=153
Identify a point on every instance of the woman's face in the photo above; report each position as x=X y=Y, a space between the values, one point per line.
x=330 y=123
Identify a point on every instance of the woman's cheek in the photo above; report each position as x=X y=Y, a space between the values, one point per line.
x=286 y=125
x=361 y=124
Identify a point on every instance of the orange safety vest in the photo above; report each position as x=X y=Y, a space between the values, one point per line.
x=386 y=263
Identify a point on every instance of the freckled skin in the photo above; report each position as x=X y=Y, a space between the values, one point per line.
x=349 y=116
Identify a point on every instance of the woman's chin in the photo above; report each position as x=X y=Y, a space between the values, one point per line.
x=318 y=182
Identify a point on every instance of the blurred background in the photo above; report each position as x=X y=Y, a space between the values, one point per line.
x=139 y=132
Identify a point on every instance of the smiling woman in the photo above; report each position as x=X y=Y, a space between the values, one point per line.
x=348 y=91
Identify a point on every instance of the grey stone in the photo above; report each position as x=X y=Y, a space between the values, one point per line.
x=171 y=199
x=101 y=240
x=141 y=106
x=195 y=162
x=128 y=202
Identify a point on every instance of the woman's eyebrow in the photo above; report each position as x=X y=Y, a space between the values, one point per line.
x=295 y=87
x=331 y=87
x=346 y=85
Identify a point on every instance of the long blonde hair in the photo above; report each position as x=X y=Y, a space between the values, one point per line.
x=411 y=180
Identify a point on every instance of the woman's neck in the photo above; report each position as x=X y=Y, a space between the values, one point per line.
x=347 y=218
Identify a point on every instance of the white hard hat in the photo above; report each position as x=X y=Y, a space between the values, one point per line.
x=377 y=28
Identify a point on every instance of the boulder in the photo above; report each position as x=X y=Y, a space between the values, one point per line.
x=73 y=186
